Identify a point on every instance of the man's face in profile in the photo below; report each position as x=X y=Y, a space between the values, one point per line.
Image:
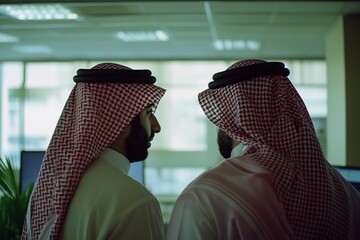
x=143 y=129
x=225 y=143
x=137 y=142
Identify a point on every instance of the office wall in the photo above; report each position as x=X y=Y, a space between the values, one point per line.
x=342 y=57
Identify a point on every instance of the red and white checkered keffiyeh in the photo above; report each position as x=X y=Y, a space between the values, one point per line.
x=92 y=118
x=268 y=115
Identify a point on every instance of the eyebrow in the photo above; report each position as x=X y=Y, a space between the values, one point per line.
x=153 y=105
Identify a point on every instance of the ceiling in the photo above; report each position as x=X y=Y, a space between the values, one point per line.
x=283 y=29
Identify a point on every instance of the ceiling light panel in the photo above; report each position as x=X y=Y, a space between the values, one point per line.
x=33 y=49
x=143 y=36
x=223 y=45
x=7 y=38
x=38 y=12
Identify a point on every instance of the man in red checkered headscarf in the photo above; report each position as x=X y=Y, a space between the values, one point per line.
x=280 y=186
x=83 y=190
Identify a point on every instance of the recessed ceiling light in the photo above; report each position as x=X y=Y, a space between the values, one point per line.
x=223 y=45
x=7 y=38
x=143 y=36
x=33 y=49
x=38 y=12
x=253 y=45
x=161 y=35
x=239 y=44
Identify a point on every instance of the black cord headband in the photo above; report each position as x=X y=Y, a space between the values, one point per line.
x=114 y=76
x=245 y=73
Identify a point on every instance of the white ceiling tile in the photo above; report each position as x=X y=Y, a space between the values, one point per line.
x=286 y=29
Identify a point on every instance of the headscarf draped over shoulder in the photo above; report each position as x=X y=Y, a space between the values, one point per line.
x=254 y=102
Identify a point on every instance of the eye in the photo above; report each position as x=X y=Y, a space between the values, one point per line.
x=150 y=111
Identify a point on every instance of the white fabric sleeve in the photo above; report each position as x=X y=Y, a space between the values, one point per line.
x=190 y=221
x=251 y=211
x=143 y=221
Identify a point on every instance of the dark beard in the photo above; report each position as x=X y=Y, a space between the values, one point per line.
x=225 y=144
x=137 y=142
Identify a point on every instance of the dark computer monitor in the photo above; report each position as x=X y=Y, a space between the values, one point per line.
x=351 y=174
x=30 y=162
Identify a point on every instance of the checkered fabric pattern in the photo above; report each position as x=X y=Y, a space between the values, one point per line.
x=268 y=115
x=93 y=116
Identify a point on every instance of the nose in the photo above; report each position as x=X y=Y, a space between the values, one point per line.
x=155 y=126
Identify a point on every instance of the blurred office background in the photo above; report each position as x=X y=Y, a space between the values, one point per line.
x=42 y=45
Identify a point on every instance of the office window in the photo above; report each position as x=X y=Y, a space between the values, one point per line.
x=11 y=81
x=184 y=123
x=174 y=179
x=47 y=88
x=33 y=95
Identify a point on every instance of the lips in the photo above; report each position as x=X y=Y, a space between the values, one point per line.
x=149 y=143
x=150 y=139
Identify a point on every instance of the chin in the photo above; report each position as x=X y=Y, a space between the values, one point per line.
x=140 y=157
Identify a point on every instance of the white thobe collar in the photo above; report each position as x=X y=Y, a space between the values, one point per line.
x=116 y=159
